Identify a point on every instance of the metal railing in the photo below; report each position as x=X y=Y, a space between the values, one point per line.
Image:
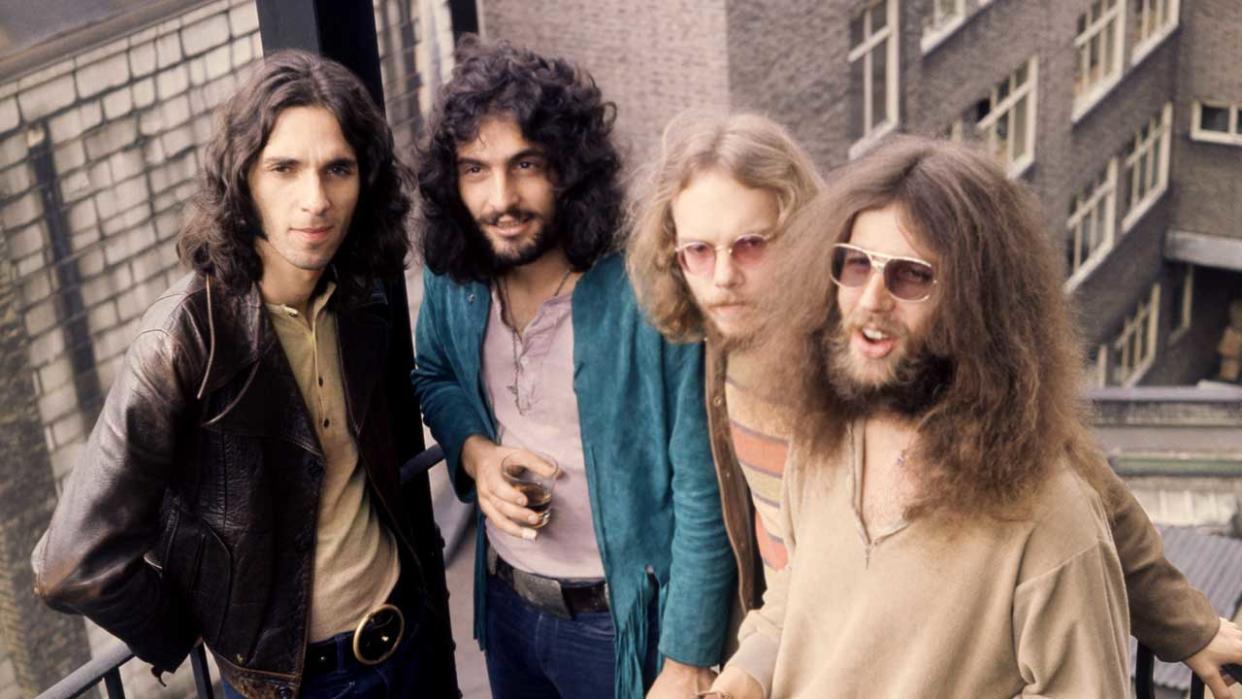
x=1144 y=669
x=106 y=667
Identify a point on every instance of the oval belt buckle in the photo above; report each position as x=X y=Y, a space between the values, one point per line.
x=389 y=623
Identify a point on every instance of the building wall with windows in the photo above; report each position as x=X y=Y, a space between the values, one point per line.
x=1103 y=137
x=1209 y=74
x=654 y=58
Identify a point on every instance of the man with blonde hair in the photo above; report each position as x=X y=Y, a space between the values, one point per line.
x=718 y=198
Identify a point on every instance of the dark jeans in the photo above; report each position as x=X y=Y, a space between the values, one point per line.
x=398 y=676
x=533 y=655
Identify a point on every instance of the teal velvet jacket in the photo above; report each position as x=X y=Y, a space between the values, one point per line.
x=654 y=499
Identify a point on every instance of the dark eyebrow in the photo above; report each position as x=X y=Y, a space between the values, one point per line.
x=527 y=154
x=279 y=160
x=345 y=162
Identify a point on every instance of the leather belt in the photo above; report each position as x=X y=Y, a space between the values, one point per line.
x=337 y=652
x=564 y=599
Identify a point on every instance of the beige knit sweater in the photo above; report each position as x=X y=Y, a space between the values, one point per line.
x=1031 y=607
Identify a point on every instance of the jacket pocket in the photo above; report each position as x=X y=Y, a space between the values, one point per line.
x=200 y=566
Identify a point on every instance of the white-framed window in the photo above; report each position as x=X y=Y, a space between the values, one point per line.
x=1005 y=120
x=1091 y=224
x=1134 y=349
x=1147 y=165
x=942 y=19
x=1098 y=45
x=1183 y=300
x=873 y=73
x=1218 y=122
x=1096 y=373
x=1155 y=20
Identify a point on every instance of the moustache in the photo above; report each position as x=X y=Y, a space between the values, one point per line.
x=516 y=213
x=883 y=323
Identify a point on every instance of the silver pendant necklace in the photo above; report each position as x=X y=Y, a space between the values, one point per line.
x=511 y=321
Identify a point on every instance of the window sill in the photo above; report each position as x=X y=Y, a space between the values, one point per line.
x=1144 y=206
x=1084 y=105
x=869 y=142
x=1223 y=139
x=935 y=37
x=1148 y=47
x=1139 y=372
x=1018 y=168
x=1087 y=268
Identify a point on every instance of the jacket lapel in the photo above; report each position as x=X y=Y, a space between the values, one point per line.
x=362 y=335
x=266 y=400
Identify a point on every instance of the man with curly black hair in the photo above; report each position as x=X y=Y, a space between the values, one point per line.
x=534 y=360
x=241 y=485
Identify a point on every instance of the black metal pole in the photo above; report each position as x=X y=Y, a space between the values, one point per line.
x=340 y=30
x=465 y=16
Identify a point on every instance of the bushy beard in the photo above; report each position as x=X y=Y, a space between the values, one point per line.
x=546 y=239
x=911 y=389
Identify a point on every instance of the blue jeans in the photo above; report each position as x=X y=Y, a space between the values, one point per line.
x=533 y=655
x=398 y=676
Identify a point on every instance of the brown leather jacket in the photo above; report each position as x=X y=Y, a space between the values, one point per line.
x=1174 y=619
x=193 y=510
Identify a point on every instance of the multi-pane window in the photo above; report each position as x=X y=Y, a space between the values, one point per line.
x=1147 y=165
x=1156 y=18
x=1098 y=45
x=941 y=18
x=1134 y=349
x=1090 y=234
x=1221 y=123
x=1005 y=120
x=873 y=70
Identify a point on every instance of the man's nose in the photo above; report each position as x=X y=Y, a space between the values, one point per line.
x=875 y=295
x=315 y=199
x=725 y=274
x=503 y=194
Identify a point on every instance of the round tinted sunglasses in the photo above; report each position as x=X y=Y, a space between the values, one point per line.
x=906 y=278
x=699 y=258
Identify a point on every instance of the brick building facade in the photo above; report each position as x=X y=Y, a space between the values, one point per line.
x=100 y=146
x=1089 y=101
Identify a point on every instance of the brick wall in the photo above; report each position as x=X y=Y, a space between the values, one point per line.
x=124 y=123
x=654 y=58
x=1210 y=194
x=98 y=153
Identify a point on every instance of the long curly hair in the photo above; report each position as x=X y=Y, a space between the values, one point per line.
x=1010 y=410
x=218 y=238
x=559 y=108
x=755 y=151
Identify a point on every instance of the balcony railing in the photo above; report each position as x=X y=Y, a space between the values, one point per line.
x=106 y=667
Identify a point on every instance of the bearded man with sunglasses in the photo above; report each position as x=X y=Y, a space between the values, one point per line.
x=946 y=514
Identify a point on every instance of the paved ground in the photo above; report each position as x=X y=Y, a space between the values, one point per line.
x=471 y=672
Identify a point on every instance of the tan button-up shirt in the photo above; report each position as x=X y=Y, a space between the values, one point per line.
x=356 y=561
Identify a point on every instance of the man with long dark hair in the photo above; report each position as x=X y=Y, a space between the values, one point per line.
x=241 y=484
x=532 y=356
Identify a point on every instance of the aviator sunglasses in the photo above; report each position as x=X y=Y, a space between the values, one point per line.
x=906 y=278
x=699 y=258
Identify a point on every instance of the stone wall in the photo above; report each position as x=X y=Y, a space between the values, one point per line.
x=654 y=58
